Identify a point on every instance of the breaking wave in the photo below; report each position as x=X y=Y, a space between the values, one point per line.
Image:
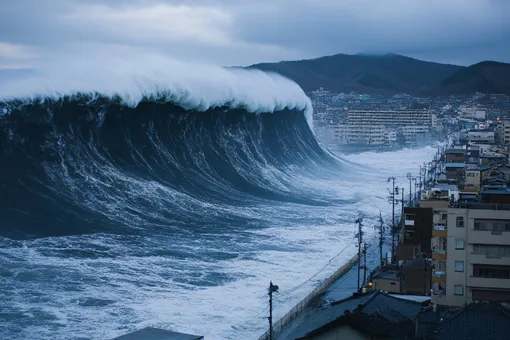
x=140 y=154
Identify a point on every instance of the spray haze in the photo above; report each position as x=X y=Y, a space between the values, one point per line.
x=134 y=77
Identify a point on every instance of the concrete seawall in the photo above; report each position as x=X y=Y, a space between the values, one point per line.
x=297 y=309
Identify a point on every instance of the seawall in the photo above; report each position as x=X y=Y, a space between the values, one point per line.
x=298 y=308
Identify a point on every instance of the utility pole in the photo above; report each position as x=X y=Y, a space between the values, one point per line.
x=360 y=240
x=420 y=176
x=381 y=233
x=392 y=201
x=364 y=263
x=409 y=176
x=272 y=289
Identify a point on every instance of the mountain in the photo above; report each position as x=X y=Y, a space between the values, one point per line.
x=484 y=77
x=385 y=74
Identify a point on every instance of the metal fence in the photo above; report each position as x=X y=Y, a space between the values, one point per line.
x=297 y=309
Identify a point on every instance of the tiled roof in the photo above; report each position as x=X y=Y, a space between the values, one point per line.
x=379 y=314
x=487 y=321
x=150 y=333
x=454 y=165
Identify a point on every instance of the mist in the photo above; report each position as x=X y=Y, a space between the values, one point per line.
x=135 y=76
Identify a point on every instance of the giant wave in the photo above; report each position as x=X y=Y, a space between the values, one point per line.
x=142 y=154
x=138 y=194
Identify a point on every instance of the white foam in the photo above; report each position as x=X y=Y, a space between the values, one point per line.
x=192 y=86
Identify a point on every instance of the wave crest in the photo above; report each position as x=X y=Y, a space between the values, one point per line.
x=193 y=87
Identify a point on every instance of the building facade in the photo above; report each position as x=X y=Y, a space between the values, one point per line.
x=476 y=251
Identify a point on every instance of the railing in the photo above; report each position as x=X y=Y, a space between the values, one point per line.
x=484 y=206
x=297 y=309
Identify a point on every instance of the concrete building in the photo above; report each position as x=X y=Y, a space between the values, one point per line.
x=477 y=255
x=417 y=230
x=455 y=155
x=471 y=256
x=481 y=136
x=390 y=118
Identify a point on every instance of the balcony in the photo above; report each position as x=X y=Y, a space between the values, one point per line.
x=490 y=236
x=490 y=258
x=439 y=276
x=439 y=230
x=485 y=282
x=439 y=254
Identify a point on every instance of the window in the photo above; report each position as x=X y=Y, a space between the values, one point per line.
x=444 y=216
x=460 y=221
x=491 y=271
x=459 y=244
x=459 y=266
x=458 y=290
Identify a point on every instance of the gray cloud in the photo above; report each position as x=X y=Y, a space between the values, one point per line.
x=243 y=32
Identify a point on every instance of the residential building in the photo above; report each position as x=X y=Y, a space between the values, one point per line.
x=454 y=171
x=373 y=315
x=481 y=136
x=476 y=249
x=455 y=155
x=390 y=118
x=159 y=334
x=473 y=178
x=417 y=230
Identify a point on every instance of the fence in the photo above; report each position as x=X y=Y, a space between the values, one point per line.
x=294 y=312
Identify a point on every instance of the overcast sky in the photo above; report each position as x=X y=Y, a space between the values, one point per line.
x=242 y=32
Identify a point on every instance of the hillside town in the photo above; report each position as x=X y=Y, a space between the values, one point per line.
x=352 y=122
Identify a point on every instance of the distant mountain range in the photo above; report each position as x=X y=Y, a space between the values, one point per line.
x=391 y=74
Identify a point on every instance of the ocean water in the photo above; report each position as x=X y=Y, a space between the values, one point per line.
x=116 y=215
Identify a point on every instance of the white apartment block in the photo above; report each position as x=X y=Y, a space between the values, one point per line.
x=390 y=118
x=479 y=136
x=353 y=134
x=471 y=256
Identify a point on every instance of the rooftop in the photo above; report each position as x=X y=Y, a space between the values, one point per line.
x=379 y=314
x=454 y=165
x=456 y=151
x=151 y=333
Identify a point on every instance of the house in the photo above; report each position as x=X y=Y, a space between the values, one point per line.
x=455 y=155
x=487 y=321
x=151 y=333
x=454 y=171
x=380 y=316
x=388 y=278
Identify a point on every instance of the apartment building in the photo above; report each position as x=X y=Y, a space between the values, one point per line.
x=342 y=134
x=390 y=118
x=471 y=257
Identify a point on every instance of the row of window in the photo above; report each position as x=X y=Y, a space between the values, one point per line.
x=492 y=225
x=486 y=271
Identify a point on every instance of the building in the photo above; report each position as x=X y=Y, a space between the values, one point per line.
x=344 y=134
x=417 y=230
x=481 y=136
x=373 y=315
x=473 y=178
x=476 y=249
x=151 y=333
x=454 y=171
x=390 y=118
x=455 y=155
